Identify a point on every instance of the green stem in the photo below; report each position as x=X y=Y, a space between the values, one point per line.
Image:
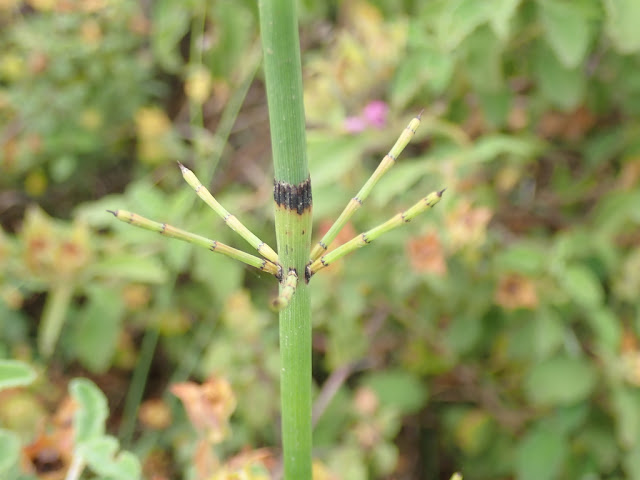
x=138 y=383
x=283 y=76
x=54 y=315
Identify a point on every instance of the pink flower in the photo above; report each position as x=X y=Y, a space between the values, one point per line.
x=375 y=113
x=355 y=124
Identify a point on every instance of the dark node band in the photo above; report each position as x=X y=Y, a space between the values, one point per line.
x=307 y=272
x=293 y=197
x=291 y=269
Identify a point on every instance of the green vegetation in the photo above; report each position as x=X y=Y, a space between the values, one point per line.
x=497 y=335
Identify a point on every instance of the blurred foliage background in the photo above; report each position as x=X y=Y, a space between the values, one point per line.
x=497 y=335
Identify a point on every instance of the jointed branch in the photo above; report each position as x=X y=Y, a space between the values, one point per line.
x=369 y=236
x=288 y=289
x=356 y=202
x=231 y=220
x=213 y=245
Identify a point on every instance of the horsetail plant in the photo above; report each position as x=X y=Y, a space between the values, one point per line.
x=295 y=263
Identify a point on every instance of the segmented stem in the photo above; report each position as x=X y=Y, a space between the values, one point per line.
x=286 y=292
x=369 y=236
x=213 y=245
x=231 y=220
x=356 y=202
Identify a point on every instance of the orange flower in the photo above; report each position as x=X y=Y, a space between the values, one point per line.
x=426 y=254
x=515 y=291
x=467 y=226
x=209 y=406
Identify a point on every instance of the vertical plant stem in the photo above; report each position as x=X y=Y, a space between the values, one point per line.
x=292 y=195
x=54 y=316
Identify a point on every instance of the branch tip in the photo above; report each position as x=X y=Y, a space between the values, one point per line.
x=420 y=114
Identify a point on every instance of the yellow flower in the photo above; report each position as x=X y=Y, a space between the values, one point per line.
x=91 y=32
x=36 y=183
x=198 y=85
x=152 y=122
x=42 y=5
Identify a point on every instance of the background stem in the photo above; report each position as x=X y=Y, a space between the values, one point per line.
x=281 y=52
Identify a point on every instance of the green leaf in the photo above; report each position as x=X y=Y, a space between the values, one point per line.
x=349 y=462
x=496 y=106
x=582 y=285
x=97 y=328
x=627 y=282
x=489 y=147
x=616 y=211
x=89 y=419
x=438 y=67
x=399 y=389
x=563 y=87
x=540 y=454
x=220 y=274
x=632 y=463
x=502 y=15
x=14 y=373
x=567 y=420
x=331 y=157
x=170 y=25
x=384 y=458
x=426 y=66
x=548 y=333
x=606 y=327
x=483 y=55
x=459 y=19
x=599 y=442
x=626 y=415
x=567 y=30
x=623 y=18
x=560 y=381
x=528 y=259
x=234 y=28
x=398 y=181
x=133 y=268
x=100 y=455
x=10 y=448
x=463 y=333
